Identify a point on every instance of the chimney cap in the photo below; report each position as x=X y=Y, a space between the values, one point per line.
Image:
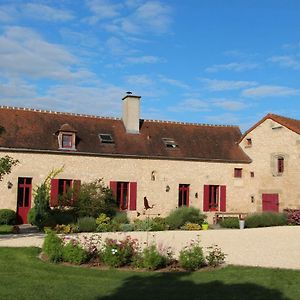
x=131 y=96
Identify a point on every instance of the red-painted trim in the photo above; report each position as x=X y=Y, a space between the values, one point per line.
x=223 y=198
x=132 y=195
x=206 y=198
x=54 y=193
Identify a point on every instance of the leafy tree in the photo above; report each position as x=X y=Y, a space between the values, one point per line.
x=93 y=199
x=6 y=164
x=41 y=208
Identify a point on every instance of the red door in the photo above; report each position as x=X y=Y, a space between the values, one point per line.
x=270 y=202
x=24 y=199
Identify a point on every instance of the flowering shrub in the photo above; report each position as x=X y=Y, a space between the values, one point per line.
x=191 y=226
x=293 y=216
x=118 y=253
x=191 y=258
x=215 y=256
x=153 y=259
x=74 y=253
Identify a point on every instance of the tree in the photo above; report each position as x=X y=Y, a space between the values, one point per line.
x=41 y=212
x=6 y=164
x=93 y=199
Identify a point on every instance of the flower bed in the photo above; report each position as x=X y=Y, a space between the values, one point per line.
x=128 y=253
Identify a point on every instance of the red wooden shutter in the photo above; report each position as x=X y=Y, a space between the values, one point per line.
x=222 y=197
x=113 y=187
x=206 y=198
x=54 y=193
x=132 y=195
x=76 y=189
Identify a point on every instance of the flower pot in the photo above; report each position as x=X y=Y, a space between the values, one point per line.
x=242 y=224
x=204 y=226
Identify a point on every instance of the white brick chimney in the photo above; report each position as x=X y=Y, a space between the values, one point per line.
x=131 y=113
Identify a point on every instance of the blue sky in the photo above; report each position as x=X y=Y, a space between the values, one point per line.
x=205 y=61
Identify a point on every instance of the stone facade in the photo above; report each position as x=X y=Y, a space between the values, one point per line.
x=167 y=173
x=271 y=140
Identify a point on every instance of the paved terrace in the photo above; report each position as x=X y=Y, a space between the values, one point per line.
x=277 y=247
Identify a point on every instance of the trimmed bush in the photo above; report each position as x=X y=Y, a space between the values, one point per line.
x=87 y=224
x=182 y=215
x=192 y=258
x=74 y=253
x=230 y=222
x=6 y=229
x=265 y=219
x=53 y=247
x=7 y=217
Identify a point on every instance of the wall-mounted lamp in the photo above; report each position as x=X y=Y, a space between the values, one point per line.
x=196 y=195
x=9 y=184
x=167 y=188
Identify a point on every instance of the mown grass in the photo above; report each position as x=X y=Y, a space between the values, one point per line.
x=24 y=276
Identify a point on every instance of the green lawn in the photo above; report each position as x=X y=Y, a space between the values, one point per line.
x=24 y=276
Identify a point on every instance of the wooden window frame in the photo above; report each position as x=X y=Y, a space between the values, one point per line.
x=183 y=195
x=280 y=165
x=238 y=172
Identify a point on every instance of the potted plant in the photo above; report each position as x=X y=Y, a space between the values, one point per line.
x=242 y=221
x=204 y=225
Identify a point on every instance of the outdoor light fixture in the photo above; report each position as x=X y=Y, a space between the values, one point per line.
x=9 y=184
x=167 y=188
x=196 y=195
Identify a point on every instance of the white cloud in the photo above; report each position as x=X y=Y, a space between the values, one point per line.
x=8 y=13
x=227 y=118
x=46 y=13
x=270 y=91
x=146 y=59
x=173 y=82
x=226 y=85
x=230 y=104
x=190 y=105
x=286 y=61
x=234 y=66
x=139 y=80
x=103 y=9
x=16 y=89
x=24 y=53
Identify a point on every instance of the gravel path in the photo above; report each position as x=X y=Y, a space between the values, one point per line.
x=277 y=247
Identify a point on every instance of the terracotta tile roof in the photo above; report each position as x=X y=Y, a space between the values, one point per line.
x=34 y=130
x=289 y=123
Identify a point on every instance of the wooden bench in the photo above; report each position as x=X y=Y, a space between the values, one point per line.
x=221 y=215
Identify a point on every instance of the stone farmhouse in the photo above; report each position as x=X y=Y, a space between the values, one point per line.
x=211 y=167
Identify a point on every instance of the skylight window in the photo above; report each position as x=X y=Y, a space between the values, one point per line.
x=170 y=143
x=106 y=138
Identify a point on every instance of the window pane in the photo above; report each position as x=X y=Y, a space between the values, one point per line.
x=66 y=141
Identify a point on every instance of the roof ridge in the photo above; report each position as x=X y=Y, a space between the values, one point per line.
x=189 y=123
x=280 y=116
x=56 y=112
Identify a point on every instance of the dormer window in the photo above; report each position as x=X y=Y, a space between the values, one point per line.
x=170 y=143
x=106 y=138
x=67 y=137
x=67 y=140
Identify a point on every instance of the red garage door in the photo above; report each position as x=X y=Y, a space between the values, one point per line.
x=270 y=202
